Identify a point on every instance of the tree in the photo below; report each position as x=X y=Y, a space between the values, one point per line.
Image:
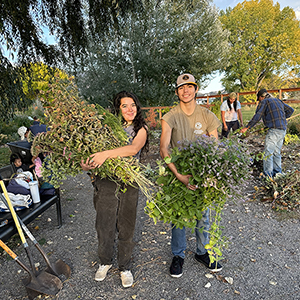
x=151 y=49
x=37 y=77
x=12 y=96
x=22 y=24
x=264 y=42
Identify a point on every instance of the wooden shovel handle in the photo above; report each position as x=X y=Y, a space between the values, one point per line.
x=12 y=210
x=10 y=252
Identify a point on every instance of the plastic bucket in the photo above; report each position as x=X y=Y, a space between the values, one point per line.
x=34 y=190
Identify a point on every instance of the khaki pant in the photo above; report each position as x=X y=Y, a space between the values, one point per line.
x=115 y=213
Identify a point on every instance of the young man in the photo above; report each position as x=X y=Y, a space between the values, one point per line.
x=187 y=121
x=274 y=114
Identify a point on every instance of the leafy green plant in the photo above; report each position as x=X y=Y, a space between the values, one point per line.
x=294 y=128
x=78 y=130
x=216 y=107
x=218 y=168
x=291 y=139
x=4 y=155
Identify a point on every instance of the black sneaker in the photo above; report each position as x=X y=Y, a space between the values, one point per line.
x=176 y=266
x=204 y=259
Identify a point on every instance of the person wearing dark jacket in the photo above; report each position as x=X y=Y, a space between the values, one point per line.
x=274 y=113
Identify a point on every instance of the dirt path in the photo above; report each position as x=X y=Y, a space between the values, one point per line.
x=262 y=259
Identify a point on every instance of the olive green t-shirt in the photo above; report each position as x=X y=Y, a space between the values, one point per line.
x=184 y=127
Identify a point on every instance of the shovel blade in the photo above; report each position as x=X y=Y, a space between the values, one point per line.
x=59 y=268
x=43 y=283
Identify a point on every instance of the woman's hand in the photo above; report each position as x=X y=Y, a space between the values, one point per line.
x=87 y=165
x=99 y=158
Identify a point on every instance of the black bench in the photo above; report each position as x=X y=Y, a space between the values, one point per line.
x=7 y=225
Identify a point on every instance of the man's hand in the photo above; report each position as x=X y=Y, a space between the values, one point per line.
x=243 y=130
x=185 y=180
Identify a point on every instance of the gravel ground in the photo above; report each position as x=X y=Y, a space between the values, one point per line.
x=262 y=258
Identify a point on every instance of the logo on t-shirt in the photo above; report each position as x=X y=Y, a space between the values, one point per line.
x=198 y=129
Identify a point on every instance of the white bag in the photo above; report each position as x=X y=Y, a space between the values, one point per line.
x=22 y=178
x=18 y=202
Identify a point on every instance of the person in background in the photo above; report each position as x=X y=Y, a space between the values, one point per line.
x=37 y=127
x=230 y=114
x=274 y=113
x=23 y=132
x=118 y=212
x=188 y=121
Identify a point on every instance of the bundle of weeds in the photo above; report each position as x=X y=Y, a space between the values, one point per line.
x=77 y=130
x=283 y=191
x=218 y=169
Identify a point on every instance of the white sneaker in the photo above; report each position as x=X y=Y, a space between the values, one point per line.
x=102 y=271
x=127 y=278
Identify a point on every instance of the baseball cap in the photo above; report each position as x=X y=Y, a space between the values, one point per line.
x=262 y=92
x=185 y=79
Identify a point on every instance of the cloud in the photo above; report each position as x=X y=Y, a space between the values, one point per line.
x=297 y=12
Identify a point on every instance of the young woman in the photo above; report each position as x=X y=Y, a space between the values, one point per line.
x=118 y=211
x=230 y=114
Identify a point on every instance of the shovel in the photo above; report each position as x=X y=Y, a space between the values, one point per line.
x=9 y=205
x=44 y=283
x=59 y=267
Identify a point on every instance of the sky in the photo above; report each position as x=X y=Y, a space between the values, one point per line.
x=215 y=84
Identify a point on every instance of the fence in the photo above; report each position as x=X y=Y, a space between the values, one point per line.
x=208 y=104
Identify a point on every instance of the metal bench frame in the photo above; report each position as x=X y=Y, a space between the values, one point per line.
x=29 y=214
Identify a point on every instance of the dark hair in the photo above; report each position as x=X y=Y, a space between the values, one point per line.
x=13 y=157
x=234 y=103
x=138 y=121
x=195 y=85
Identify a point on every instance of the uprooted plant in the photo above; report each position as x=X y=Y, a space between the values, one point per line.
x=77 y=130
x=283 y=191
x=218 y=168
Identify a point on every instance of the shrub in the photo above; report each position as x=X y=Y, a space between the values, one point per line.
x=294 y=128
x=151 y=118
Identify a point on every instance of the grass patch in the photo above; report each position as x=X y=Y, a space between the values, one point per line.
x=248 y=111
x=4 y=156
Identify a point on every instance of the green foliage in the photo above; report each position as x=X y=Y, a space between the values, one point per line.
x=69 y=21
x=291 y=139
x=262 y=44
x=12 y=97
x=38 y=76
x=217 y=168
x=216 y=108
x=78 y=130
x=9 y=129
x=151 y=49
x=294 y=128
x=4 y=155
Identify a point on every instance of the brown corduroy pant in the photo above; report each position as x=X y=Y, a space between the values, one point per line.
x=115 y=213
